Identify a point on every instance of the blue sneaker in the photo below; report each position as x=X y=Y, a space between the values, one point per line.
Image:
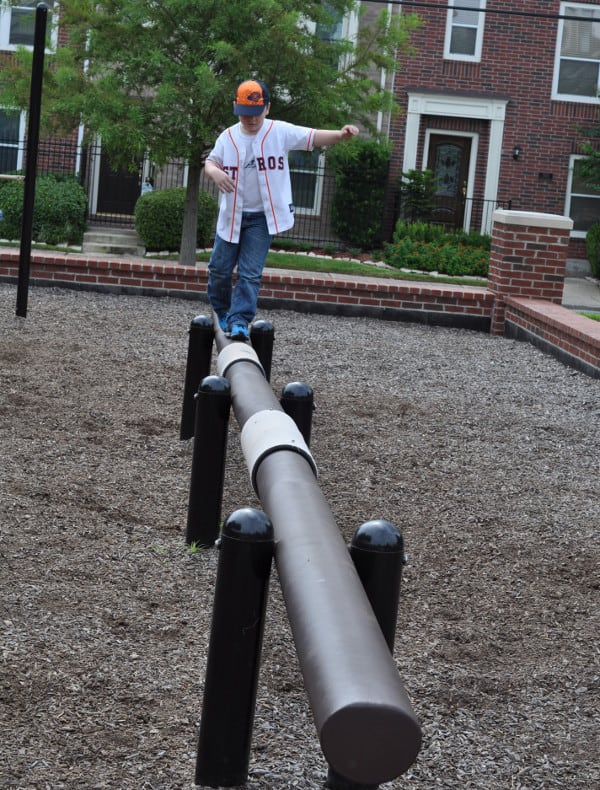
x=223 y=323
x=239 y=332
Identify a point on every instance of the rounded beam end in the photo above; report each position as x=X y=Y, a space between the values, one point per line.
x=370 y=744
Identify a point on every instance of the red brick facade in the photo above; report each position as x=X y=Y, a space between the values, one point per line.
x=501 y=102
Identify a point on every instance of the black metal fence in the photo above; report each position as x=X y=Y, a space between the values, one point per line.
x=113 y=192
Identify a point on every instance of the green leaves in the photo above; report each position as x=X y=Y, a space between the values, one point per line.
x=160 y=76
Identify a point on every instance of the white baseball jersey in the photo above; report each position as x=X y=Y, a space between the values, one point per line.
x=270 y=145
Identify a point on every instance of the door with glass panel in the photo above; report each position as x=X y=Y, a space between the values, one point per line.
x=448 y=160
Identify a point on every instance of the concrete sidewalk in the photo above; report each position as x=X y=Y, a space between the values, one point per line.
x=582 y=293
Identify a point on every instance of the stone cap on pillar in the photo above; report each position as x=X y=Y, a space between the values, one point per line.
x=533 y=219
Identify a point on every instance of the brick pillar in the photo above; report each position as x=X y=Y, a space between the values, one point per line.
x=528 y=258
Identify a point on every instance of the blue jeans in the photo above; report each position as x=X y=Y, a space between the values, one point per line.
x=249 y=254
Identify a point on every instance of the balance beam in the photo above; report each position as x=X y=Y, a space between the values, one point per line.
x=366 y=726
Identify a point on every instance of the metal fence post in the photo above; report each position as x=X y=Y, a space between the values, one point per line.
x=213 y=405
x=246 y=552
x=33 y=136
x=199 y=353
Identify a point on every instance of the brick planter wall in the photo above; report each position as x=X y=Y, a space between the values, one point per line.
x=335 y=294
x=572 y=338
x=568 y=336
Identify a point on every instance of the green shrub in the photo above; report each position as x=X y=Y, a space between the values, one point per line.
x=429 y=232
x=449 y=257
x=417 y=192
x=159 y=218
x=59 y=211
x=592 y=248
x=473 y=239
x=357 y=209
x=419 y=231
x=430 y=248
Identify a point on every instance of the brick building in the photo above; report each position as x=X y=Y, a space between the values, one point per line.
x=494 y=103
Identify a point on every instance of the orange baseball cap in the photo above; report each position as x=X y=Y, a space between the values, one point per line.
x=251 y=98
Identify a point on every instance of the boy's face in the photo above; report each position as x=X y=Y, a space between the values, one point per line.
x=252 y=123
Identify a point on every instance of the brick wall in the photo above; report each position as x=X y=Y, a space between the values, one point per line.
x=441 y=305
x=528 y=258
x=568 y=336
x=545 y=323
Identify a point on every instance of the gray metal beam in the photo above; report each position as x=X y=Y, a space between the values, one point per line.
x=366 y=725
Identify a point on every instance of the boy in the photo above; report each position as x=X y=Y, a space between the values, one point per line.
x=249 y=165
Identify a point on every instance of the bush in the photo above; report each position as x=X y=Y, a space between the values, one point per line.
x=159 y=219
x=361 y=168
x=419 y=231
x=59 y=211
x=592 y=248
x=417 y=192
x=430 y=248
x=450 y=258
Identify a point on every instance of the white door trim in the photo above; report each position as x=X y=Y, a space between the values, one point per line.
x=486 y=108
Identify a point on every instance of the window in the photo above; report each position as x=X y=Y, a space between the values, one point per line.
x=464 y=30
x=11 y=123
x=306 y=170
x=17 y=23
x=583 y=201
x=577 y=68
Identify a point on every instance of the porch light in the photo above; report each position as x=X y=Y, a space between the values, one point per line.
x=517 y=151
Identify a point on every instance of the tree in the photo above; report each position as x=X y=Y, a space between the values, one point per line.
x=158 y=77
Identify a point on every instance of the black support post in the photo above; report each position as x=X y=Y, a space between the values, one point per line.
x=377 y=551
x=262 y=336
x=297 y=401
x=245 y=557
x=33 y=137
x=201 y=336
x=213 y=405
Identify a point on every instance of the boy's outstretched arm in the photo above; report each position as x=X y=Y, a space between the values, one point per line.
x=332 y=136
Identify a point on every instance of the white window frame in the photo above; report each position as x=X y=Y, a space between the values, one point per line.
x=18 y=144
x=6 y=9
x=576 y=234
x=315 y=209
x=565 y=7
x=348 y=31
x=476 y=56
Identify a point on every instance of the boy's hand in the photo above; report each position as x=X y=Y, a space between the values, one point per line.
x=223 y=180
x=348 y=131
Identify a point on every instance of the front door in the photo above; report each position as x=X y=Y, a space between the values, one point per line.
x=448 y=160
x=118 y=190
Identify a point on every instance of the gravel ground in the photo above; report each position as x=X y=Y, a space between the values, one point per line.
x=483 y=450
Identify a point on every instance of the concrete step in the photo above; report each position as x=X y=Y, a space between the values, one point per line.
x=113 y=249
x=112 y=241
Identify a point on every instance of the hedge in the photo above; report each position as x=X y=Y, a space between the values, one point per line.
x=159 y=219
x=59 y=212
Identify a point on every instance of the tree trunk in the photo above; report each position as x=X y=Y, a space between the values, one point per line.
x=187 y=251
